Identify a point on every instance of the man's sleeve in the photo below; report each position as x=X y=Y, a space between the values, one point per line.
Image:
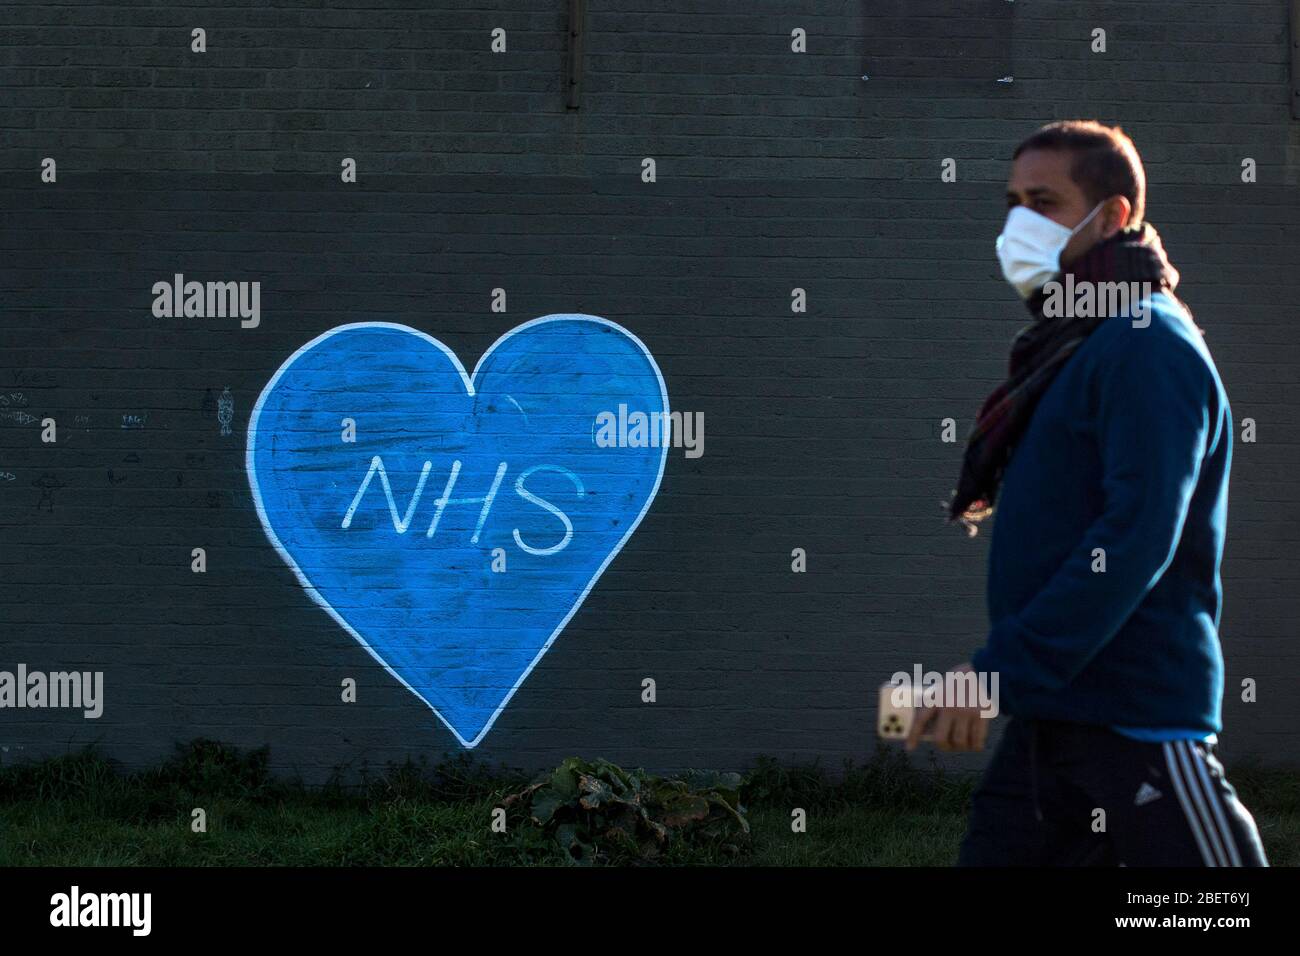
x=1153 y=427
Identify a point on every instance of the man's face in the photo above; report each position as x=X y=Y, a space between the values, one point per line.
x=1040 y=181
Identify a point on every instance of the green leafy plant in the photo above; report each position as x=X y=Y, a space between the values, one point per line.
x=594 y=811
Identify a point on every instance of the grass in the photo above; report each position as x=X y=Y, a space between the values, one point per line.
x=81 y=810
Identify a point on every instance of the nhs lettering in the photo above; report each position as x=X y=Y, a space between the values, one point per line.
x=401 y=524
x=461 y=530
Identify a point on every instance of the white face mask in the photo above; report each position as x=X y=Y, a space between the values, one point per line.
x=1030 y=248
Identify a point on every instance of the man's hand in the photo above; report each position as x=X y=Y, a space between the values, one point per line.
x=955 y=728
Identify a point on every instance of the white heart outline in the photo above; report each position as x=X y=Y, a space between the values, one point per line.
x=468 y=380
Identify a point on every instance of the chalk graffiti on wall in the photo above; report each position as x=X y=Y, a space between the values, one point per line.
x=453 y=523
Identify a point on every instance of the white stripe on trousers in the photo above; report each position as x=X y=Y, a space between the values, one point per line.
x=1193 y=821
x=1215 y=800
x=1188 y=758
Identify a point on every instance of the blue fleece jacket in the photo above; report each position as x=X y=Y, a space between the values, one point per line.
x=1126 y=461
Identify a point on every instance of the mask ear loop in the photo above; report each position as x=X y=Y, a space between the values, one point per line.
x=1087 y=219
x=1075 y=231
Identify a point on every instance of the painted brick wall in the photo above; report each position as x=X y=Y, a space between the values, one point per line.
x=775 y=170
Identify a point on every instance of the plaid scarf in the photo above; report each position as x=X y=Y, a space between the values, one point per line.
x=1038 y=352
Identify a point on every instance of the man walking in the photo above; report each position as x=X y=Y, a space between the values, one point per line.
x=1107 y=451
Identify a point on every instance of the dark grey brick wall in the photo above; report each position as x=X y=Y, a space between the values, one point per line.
x=775 y=170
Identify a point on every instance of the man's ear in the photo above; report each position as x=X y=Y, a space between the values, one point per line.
x=1115 y=215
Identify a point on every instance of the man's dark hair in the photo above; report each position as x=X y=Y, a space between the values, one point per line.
x=1106 y=163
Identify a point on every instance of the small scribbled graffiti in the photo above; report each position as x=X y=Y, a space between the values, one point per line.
x=130 y=458
x=225 y=411
x=35 y=379
x=48 y=484
x=135 y=420
x=13 y=407
x=453 y=523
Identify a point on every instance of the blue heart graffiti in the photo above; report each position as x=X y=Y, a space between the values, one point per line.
x=453 y=524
